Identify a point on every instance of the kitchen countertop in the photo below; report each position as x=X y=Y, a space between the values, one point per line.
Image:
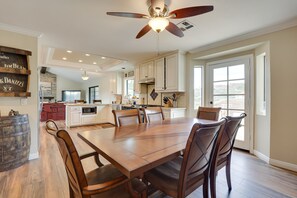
x=85 y=105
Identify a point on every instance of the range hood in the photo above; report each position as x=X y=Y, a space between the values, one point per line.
x=149 y=81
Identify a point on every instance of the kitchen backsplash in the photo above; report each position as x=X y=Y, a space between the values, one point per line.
x=181 y=101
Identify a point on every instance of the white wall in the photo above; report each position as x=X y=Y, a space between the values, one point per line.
x=283 y=70
x=66 y=84
x=104 y=88
x=19 y=41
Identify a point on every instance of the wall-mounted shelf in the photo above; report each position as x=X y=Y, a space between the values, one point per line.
x=14 y=72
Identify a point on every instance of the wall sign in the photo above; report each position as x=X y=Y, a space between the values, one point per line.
x=14 y=72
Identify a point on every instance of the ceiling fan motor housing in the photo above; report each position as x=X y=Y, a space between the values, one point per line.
x=158 y=8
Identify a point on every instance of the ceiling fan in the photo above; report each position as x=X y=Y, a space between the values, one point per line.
x=159 y=16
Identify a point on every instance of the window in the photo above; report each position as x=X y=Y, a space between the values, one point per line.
x=93 y=93
x=197 y=87
x=129 y=87
x=71 y=95
x=260 y=84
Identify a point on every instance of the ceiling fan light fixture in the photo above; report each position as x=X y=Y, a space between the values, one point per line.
x=158 y=24
x=85 y=76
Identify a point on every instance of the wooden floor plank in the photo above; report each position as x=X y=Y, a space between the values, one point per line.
x=46 y=177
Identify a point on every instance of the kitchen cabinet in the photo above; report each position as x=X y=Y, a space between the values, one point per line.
x=136 y=79
x=75 y=116
x=54 y=111
x=170 y=113
x=116 y=83
x=147 y=70
x=170 y=73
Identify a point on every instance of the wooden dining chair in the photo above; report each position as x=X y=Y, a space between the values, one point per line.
x=51 y=127
x=181 y=176
x=97 y=101
x=126 y=117
x=225 y=151
x=79 y=101
x=209 y=113
x=104 y=181
x=152 y=114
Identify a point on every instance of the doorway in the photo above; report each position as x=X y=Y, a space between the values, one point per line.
x=229 y=84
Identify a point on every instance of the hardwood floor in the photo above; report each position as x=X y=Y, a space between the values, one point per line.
x=46 y=177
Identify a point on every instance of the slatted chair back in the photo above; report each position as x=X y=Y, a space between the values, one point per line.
x=126 y=117
x=201 y=150
x=152 y=114
x=225 y=151
x=209 y=113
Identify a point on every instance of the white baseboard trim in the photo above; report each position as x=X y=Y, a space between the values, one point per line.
x=261 y=156
x=285 y=165
x=33 y=156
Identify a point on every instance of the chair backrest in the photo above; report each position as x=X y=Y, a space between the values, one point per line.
x=74 y=169
x=209 y=113
x=97 y=101
x=201 y=150
x=51 y=127
x=79 y=101
x=152 y=114
x=126 y=117
x=229 y=134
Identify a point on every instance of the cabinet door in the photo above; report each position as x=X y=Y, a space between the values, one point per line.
x=151 y=69
x=143 y=71
x=136 y=79
x=75 y=118
x=159 y=75
x=116 y=83
x=172 y=73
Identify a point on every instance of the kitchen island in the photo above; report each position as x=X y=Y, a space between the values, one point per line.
x=88 y=114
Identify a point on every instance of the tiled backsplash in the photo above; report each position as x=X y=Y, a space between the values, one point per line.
x=181 y=101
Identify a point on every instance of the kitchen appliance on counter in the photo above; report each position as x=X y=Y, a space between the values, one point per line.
x=89 y=110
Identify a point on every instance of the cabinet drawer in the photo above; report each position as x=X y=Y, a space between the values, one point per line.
x=75 y=109
x=89 y=119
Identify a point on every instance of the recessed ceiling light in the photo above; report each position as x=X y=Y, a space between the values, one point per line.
x=103 y=57
x=94 y=63
x=80 y=61
x=69 y=51
x=87 y=54
x=64 y=58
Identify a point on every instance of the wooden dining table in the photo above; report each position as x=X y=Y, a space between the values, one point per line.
x=135 y=149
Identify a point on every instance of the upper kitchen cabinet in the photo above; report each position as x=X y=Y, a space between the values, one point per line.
x=137 y=87
x=146 y=70
x=116 y=83
x=170 y=73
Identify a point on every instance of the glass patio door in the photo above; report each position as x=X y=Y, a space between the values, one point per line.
x=229 y=88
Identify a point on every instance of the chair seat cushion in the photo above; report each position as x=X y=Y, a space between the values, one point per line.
x=108 y=173
x=165 y=177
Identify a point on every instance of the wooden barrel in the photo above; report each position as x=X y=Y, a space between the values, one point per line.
x=14 y=141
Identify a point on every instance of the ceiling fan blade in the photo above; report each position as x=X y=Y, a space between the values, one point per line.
x=191 y=11
x=172 y=28
x=144 y=30
x=127 y=14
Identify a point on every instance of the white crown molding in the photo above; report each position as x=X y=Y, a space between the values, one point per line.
x=263 y=31
x=19 y=30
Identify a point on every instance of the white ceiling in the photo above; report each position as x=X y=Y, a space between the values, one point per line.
x=83 y=26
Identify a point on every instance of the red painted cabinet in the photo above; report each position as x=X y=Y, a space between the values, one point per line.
x=54 y=111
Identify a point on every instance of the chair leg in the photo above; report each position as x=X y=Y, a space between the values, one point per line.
x=97 y=160
x=228 y=173
x=71 y=193
x=213 y=176
x=205 y=187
